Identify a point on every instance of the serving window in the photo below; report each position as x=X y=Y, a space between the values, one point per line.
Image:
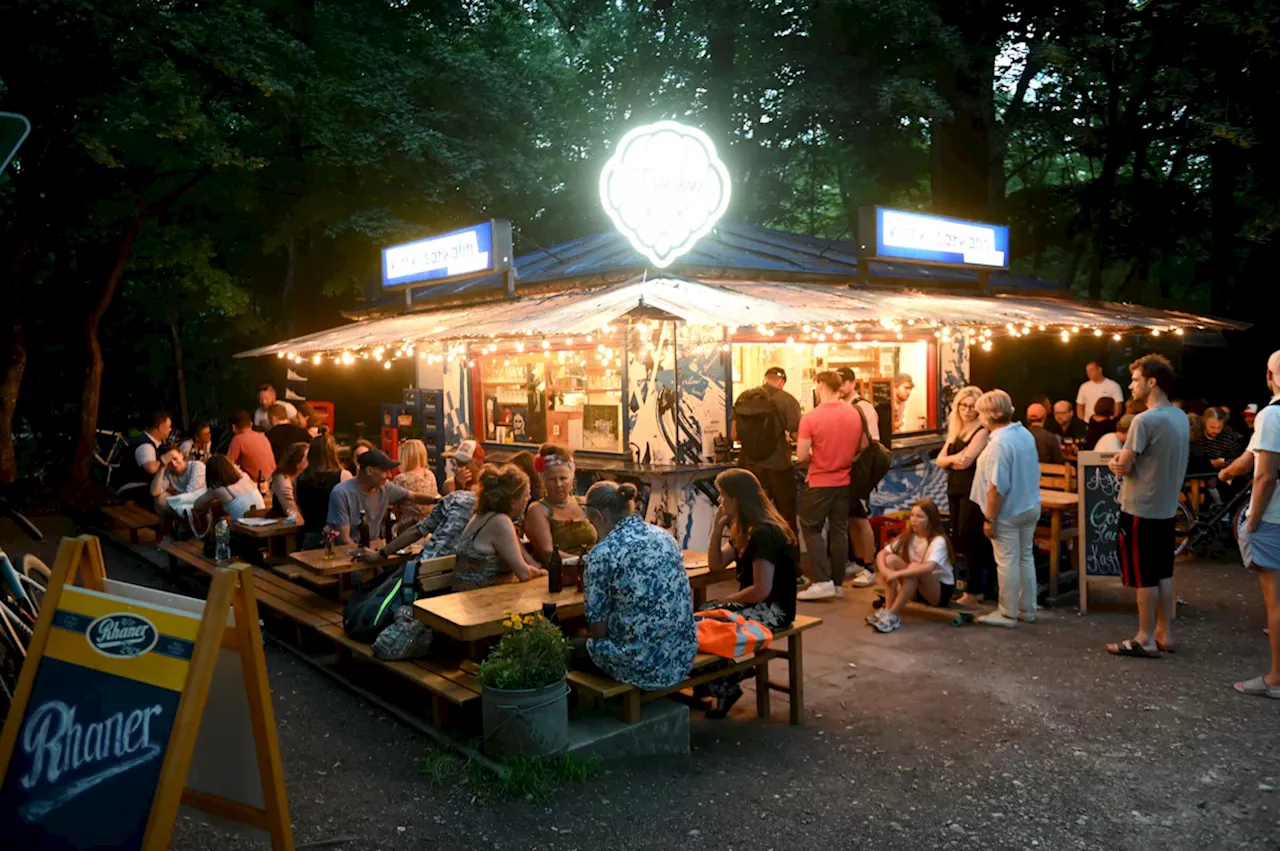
x=878 y=364
x=571 y=397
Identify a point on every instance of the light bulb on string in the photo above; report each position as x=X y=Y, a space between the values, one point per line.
x=280 y=354
x=1178 y=331
x=1041 y=327
x=315 y=359
x=1097 y=332
x=1066 y=338
x=386 y=364
x=986 y=346
x=1155 y=332
x=1115 y=337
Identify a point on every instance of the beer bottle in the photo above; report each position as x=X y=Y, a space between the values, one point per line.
x=262 y=484
x=555 y=571
x=362 y=531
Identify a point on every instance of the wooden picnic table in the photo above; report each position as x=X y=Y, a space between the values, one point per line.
x=344 y=560
x=474 y=615
x=281 y=536
x=1054 y=503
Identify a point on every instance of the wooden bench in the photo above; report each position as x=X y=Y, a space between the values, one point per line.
x=601 y=688
x=132 y=517
x=447 y=683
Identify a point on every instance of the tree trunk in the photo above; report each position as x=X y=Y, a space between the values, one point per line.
x=182 y=374
x=1223 y=224
x=91 y=382
x=290 y=267
x=721 y=45
x=960 y=144
x=15 y=366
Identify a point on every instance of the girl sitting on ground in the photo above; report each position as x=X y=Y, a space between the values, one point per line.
x=916 y=565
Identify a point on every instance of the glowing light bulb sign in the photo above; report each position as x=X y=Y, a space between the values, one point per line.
x=665 y=188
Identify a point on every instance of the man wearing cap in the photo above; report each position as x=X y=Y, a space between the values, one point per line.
x=369 y=492
x=468 y=461
x=1048 y=445
x=775 y=471
x=862 y=540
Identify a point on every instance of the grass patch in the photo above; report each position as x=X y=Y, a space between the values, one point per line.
x=533 y=778
x=440 y=768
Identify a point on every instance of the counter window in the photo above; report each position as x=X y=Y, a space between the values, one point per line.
x=881 y=367
x=568 y=397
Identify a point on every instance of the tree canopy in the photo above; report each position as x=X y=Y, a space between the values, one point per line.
x=202 y=176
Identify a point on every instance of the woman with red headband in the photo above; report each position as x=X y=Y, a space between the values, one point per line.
x=557 y=520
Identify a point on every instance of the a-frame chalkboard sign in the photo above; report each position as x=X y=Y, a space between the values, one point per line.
x=100 y=746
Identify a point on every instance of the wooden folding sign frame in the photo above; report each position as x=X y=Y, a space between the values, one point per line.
x=109 y=664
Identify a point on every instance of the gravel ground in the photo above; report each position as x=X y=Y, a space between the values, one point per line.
x=928 y=738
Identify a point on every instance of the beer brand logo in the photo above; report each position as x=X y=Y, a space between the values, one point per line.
x=665 y=188
x=122 y=635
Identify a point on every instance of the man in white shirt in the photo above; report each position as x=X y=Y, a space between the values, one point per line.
x=862 y=539
x=143 y=460
x=1260 y=535
x=267 y=398
x=175 y=475
x=1094 y=389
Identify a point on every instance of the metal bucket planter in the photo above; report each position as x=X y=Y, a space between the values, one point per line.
x=525 y=722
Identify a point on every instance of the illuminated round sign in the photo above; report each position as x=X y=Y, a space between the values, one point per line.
x=665 y=188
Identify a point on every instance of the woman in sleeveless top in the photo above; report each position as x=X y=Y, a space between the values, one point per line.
x=557 y=521
x=489 y=553
x=966 y=438
x=311 y=490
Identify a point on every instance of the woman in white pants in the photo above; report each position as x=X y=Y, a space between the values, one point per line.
x=1006 y=485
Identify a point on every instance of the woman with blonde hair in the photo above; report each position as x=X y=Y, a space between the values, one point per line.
x=557 y=521
x=965 y=440
x=915 y=566
x=415 y=476
x=766 y=556
x=1006 y=485
x=489 y=552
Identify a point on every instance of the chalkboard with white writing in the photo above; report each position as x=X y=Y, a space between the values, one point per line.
x=1099 y=514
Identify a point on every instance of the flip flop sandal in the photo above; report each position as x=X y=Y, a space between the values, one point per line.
x=1129 y=648
x=1258 y=687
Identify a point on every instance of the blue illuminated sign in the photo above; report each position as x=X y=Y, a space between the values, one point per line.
x=901 y=235
x=475 y=250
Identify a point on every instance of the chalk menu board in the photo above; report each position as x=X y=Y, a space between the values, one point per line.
x=1099 y=515
x=95 y=731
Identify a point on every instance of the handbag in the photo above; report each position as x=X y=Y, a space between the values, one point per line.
x=730 y=635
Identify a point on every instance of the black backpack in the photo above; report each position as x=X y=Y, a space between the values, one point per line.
x=759 y=423
x=874 y=462
x=372 y=607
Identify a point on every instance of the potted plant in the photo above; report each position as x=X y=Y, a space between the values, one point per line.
x=525 y=710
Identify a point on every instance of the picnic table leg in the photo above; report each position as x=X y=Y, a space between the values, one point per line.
x=1055 y=529
x=631 y=707
x=795 y=651
x=763 y=707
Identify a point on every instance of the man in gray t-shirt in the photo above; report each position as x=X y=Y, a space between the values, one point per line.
x=370 y=492
x=1154 y=465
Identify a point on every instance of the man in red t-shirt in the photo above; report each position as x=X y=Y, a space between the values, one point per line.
x=828 y=441
x=250 y=450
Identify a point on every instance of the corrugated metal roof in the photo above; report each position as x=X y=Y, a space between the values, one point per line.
x=727 y=303
x=732 y=249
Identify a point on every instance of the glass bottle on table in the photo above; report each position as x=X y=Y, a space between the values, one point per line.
x=555 y=571
x=362 y=531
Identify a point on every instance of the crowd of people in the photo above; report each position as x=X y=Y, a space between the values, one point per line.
x=507 y=522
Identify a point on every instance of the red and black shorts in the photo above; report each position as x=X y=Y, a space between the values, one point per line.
x=1146 y=550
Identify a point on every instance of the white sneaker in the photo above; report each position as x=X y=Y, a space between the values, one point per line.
x=864 y=579
x=997 y=619
x=818 y=591
x=888 y=622
x=839 y=591
x=875 y=616
x=1027 y=617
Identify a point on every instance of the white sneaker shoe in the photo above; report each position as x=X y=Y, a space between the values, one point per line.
x=888 y=622
x=1027 y=617
x=864 y=579
x=997 y=619
x=818 y=591
x=839 y=591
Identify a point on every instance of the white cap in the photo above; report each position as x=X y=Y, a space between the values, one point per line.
x=467 y=451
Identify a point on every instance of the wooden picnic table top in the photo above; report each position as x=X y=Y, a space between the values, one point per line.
x=1058 y=499
x=473 y=615
x=277 y=526
x=343 y=562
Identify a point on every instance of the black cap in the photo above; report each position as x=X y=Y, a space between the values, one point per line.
x=376 y=458
x=776 y=372
x=846 y=374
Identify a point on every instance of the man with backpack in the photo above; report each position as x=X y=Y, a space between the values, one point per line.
x=765 y=419
x=868 y=470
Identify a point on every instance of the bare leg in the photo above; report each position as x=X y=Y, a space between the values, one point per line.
x=929 y=587
x=861 y=539
x=1148 y=605
x=1165 y=613
x=889 y=561
x=1270 y=581
x=906 y=593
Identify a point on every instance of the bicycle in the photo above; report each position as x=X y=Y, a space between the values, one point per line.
x=111 y=462
x=1201 y=532
x=20 y=598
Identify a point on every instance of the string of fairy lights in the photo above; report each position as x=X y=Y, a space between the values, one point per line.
x=606 y=348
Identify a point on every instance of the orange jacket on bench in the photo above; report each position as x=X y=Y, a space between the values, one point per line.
x=729 y=634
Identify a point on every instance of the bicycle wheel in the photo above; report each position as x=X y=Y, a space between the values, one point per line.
x=1184 y=531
